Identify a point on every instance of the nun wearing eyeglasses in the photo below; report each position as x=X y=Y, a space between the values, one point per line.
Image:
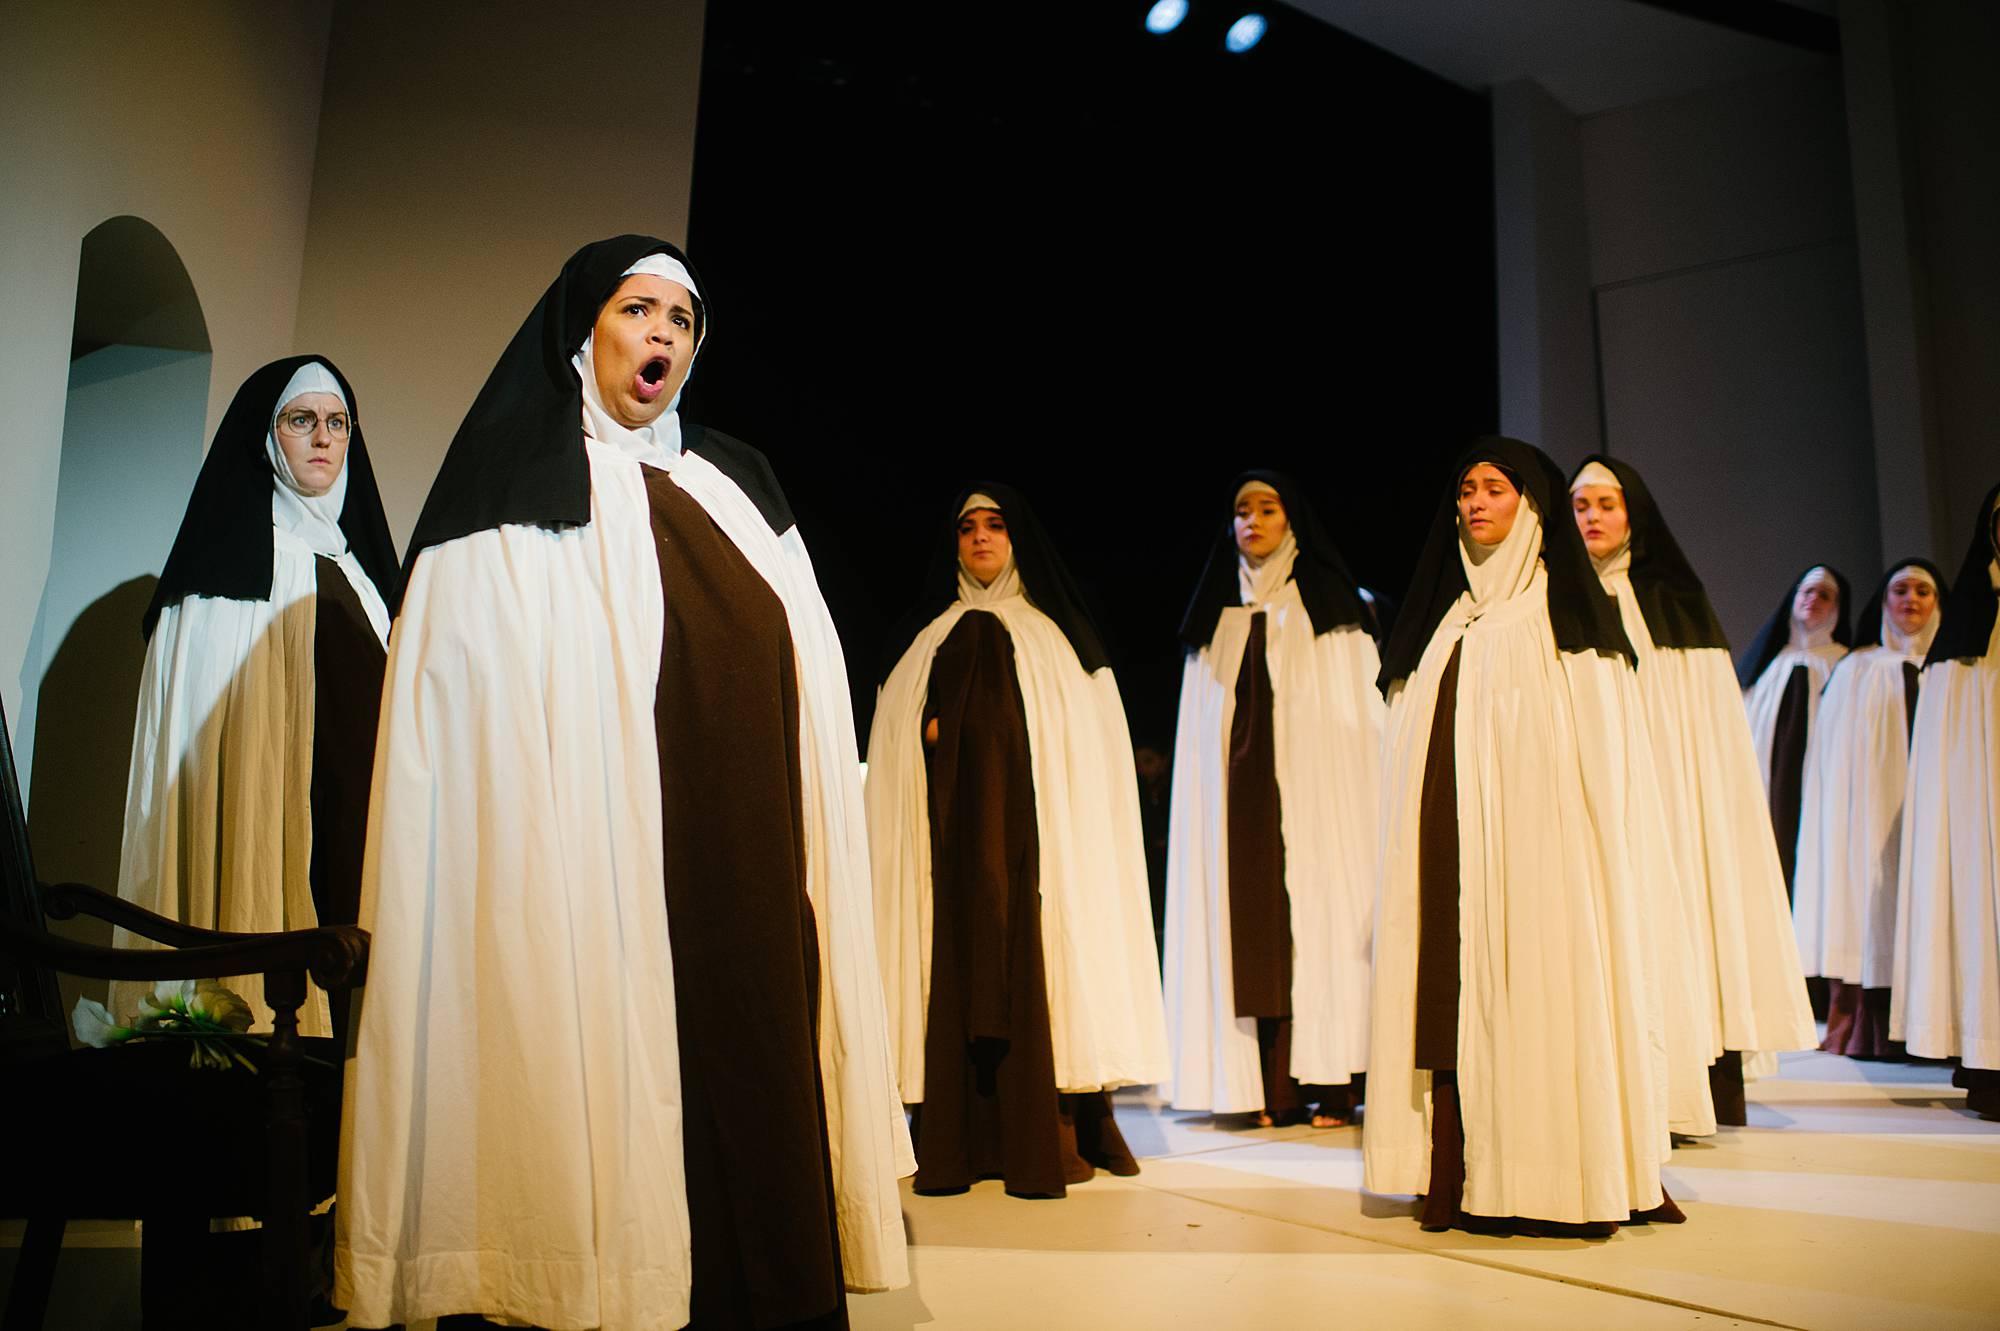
x=1850 y=824
x=1010 y=878
x=1944 y=998
x=1743 y=987
x=1517 y=1060
x=246 y=807
x=621 y=1058
x=1276 y=796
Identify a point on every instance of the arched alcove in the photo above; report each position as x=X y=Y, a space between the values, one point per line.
x=131 y=446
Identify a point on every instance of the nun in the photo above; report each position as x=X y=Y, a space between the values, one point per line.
x=1945 y=989
x=1782 y=676
x=1850 y=823
x=1010 y=876
x=621 y=1057
x=1276 y=794
x=254 y=745
x=1516 y=1071
x=1746 y=988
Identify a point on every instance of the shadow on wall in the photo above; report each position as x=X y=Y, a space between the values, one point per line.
x=76 y=799
x=131 y=447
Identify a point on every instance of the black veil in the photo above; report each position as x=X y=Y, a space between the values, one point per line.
x=223 y=548
x=1671 y=598
x=1777 y=630
x=1968 y=630
x=1044 y=577
x=1331 y=596
x=518 y=456
x=1868 y=626
x=1583 y=616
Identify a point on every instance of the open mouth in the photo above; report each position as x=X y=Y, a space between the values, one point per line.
x=651 y=380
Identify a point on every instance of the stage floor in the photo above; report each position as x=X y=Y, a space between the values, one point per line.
x=1860 y=1196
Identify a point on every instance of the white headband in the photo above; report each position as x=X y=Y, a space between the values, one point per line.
x=979 y=501
x=1595 y=473
x=663 y=265
x=1917 y=570
x=312 y=377
x=1257 y=487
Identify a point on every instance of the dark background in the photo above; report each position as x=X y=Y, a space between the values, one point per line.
x=1035 y=243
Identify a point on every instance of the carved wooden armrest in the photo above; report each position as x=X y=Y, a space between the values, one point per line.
x=336 y=956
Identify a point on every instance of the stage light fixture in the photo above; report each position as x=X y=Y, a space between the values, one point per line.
x=1245 y=33
x=1165 y=16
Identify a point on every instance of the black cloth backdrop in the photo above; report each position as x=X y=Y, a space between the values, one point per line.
x=1777 y=630
x=1671 y=597
x=1868 y=626
x=1044 y=577
x=1584 y=617
x=1968 y=629
x=1332 y=597
x=223 y=548
x=518 y=455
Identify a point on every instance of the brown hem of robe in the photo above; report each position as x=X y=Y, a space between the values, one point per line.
x=1857 y=1022
x=1982 y=1090
x=991 y=1108
x=348 y=664
x=1725 y=1088
x=1442 y=1207
x=1260 y=906
x=761 y=1209
x=1788 y=767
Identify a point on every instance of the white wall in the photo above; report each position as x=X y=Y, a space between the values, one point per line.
x=465 y=152
x=199 y=117
x=133 y=431
x=1541 y=251
x=1679 y=286
x=1730 y=344
x=1922 y=103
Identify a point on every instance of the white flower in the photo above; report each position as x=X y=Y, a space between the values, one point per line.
x=93 y=1025
x=167 y=996
x=222 y=1006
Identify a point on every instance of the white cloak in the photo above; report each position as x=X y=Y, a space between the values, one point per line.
x=1327 y=716
x=1748 y=980
x=1945 y=992
x=1851 y=821
x=512 y=1139
x=218 y=804
x=1105 y=1019
x=1761 y=700
x=1561 y=1055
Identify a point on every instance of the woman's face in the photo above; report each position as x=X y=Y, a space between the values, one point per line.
x=1487 y=503
x=313 y=430
x=1260 y=523
x=643 y=343
x=1601 y=517
x=1816 y=602
x=983 y=544
x=1911 y=601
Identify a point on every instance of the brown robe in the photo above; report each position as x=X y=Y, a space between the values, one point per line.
x=1788 y=766
x=1438 y=982
x=761 y=1205
x=1260 y=908
x=348 y=662
x=991 y=1107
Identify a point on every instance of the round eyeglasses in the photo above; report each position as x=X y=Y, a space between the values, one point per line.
x=304 y=424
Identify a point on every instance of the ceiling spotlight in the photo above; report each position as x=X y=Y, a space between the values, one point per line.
x=1165 y=16
x=1244 y=33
